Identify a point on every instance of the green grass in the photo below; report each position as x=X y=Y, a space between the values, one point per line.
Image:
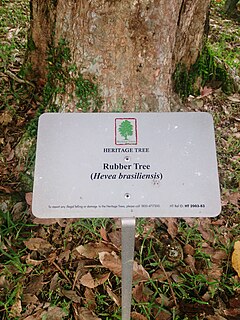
x=219 y=62
x=14 y=15
x=12 y=268
x=90 y=228
x=228 y=146
x=225 y=38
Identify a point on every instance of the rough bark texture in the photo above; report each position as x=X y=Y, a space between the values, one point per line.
x=130 y=47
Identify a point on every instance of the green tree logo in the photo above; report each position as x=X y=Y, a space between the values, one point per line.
x=126 y=129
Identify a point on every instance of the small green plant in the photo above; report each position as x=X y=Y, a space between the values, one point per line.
x=10 y=299
x=91 y=227
x=58 y=76
x=61 y=76
x=192 y=287
x=189 y=235
x=204 y=72
x=104 y=308
x=57 y=80
x=87 y=94
x=13 y=229
x=12 y=19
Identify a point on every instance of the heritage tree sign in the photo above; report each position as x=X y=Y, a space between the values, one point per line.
x=127 y=166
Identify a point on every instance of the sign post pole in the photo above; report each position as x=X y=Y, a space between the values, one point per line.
x=128 y=243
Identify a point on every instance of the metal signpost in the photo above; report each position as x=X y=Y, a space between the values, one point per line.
x=126 y=165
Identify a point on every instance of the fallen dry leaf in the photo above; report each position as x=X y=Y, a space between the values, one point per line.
x=33 y=262
x=84 y=313
x=139 y=273
x=46 y=222
x=38 y=244
x=17 y=211
x=205 y=91
x=115 y=238
x=92 y=249
x=172 y=227
x=207 y=296
x=205 y=230
x=232 y=198
x=234 y=302
x=206 y=248
x=137 y=316
x=16 y=308
x=55 y=313
x=218 y=256
x=37 y=315
x=234 y=98
x=192 y=222
x=54 y=282
x=90 y=299
x=113 y=296
x=190 y=261
x=161 y=276
x=103 y=234
x=112 y=262
x=88 y=281
x=4 y=283
x=29 y=298
x=35 y=285
x=72 y=295
x=138 y=293
x=28 y=198
x=64 y=256
x=188 y=249
x=233 y=313
x=236 y=257
x=5 y=118
x=163 y=300
x=163 y=315
x=6 y=189
x=11 y=155
x=215 y=273
x=195 y=308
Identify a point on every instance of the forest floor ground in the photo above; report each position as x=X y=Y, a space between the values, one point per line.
x=70 y=269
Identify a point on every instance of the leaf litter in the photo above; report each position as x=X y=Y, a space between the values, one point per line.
x=236 y=257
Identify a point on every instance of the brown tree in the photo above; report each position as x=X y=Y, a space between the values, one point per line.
x=128 y=48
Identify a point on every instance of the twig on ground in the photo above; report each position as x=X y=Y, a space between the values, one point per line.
x=169 y=283
x=16 y=78
x=62 y=272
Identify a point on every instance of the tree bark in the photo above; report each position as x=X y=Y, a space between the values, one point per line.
x=130 y=48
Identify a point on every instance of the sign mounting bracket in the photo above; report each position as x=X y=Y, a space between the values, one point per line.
x=128 y=242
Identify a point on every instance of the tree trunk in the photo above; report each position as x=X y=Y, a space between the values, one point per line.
x=129 y=48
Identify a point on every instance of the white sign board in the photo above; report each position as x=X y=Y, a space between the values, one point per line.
x=126 y=165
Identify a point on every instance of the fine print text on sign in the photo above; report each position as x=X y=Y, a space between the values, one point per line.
x=126 y=165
